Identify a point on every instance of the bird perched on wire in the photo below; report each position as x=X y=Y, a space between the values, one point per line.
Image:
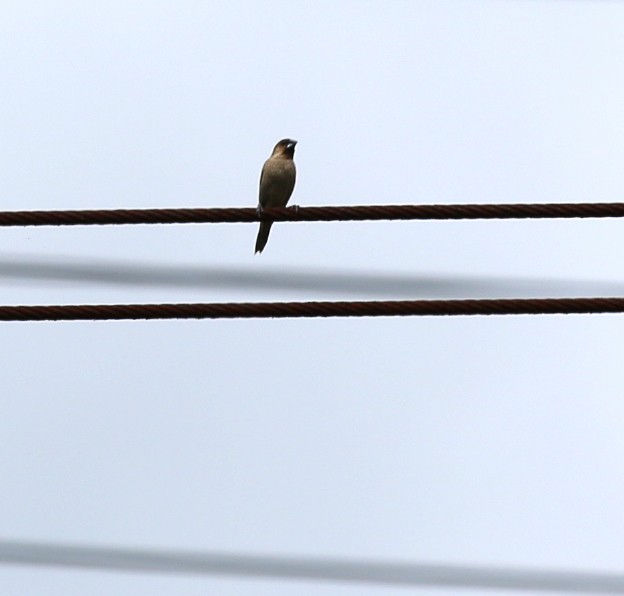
x=277 y=181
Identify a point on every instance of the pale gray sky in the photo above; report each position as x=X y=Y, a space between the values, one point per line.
x=478 y=441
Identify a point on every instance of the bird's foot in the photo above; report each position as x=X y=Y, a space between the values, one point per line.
x=295 y=208
x=259 y=210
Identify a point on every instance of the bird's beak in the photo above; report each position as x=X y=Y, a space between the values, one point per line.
x=292 y=144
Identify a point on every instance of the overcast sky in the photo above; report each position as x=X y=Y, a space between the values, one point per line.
x=479 y=441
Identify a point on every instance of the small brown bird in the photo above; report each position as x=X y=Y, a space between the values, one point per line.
x=277 y=182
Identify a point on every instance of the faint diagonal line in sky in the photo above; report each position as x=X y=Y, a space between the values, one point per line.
x=305 y=568
x=295 y=280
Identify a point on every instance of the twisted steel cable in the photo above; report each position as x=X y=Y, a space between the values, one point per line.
x=310 y=214
x=264 y=310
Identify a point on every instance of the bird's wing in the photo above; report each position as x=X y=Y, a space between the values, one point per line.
x=262 y=176
x=265 y=186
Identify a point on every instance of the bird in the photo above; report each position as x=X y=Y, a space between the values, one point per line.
x=277 y=181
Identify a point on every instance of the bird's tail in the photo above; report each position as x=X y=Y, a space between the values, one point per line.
x=263 y=235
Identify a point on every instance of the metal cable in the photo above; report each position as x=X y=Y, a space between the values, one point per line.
x=264 y=310
x=309 y=214
x=272 y=567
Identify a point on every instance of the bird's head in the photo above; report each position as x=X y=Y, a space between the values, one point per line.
x=285 y=147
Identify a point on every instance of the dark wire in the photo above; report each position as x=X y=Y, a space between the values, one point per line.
x=310 y=214
x=264 y=310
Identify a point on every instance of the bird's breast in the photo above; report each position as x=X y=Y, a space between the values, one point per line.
x=277 y=183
